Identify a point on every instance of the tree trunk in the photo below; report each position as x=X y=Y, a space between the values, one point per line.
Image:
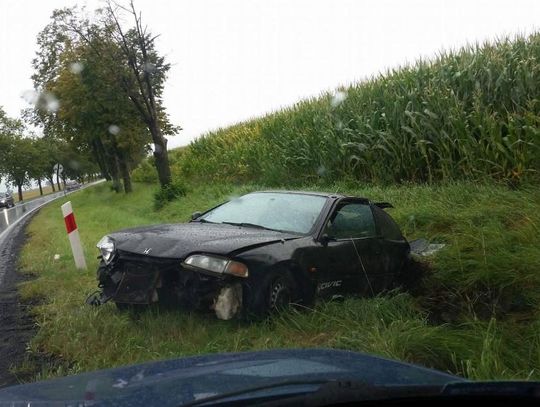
x=40 y=189
x=58 y=180
x=124 y=169
x=115 y=175
x=161 y=156
x=51 y=180
x=100 y=156
x=19 y=190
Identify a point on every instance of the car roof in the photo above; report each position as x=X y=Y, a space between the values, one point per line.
x=331 y=195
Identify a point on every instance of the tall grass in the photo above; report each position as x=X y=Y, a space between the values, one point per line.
x=477 y=314
x=470 y=114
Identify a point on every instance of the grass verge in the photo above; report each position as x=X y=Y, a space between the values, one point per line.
x=475 y=315
x=32 y=193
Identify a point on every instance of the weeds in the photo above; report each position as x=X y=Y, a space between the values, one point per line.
x=477 y=313
x=168 y=193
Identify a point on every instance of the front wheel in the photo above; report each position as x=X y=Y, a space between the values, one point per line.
x=275 y=292
x=280 y=293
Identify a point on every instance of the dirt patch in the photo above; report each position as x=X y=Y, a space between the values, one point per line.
x=16 y=325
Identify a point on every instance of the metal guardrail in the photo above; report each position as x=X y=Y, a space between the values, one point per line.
x=10 y=217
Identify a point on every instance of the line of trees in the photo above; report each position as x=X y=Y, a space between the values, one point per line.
x=98 y=91
x=24 y=157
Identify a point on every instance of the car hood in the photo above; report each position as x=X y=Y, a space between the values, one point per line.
x=180 y=381
x=176 y=241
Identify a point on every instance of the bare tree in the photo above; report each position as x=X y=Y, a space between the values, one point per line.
x=133 y=71
x=143 y=80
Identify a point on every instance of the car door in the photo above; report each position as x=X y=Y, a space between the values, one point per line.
x=352 y=250
x=393 y=244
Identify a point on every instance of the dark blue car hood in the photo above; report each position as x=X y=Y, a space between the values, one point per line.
x=179 y=381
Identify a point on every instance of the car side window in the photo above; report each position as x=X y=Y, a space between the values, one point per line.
x=389 y=229
x=351 y=220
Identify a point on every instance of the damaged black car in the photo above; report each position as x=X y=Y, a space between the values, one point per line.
x=256 y=253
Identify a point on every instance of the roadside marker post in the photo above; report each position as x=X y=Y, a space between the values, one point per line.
x=74 y=237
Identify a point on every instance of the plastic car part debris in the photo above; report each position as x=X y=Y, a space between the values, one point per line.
x=421 y=247
x=97 y=298
x=228 y=302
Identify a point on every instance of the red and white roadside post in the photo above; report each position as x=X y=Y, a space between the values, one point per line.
x=74 y=237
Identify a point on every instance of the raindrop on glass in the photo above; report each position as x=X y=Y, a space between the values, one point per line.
x=73 y=164
x=338 y=98
x=114 y=129
x=149 y=67
x=76 y=67
x=51 y=102
x=31 y=96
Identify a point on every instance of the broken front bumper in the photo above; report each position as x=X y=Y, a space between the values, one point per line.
x=129 y=281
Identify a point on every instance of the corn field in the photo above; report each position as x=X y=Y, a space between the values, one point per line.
x=471 y=114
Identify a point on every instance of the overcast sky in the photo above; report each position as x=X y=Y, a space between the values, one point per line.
x=236 y=59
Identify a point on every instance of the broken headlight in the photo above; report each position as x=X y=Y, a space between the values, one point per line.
x=217 y=265
x=107 y=248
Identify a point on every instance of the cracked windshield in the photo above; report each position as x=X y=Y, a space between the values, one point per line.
x=231 y=202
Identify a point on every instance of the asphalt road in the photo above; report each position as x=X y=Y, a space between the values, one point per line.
x=16 y=325
x=9 y=218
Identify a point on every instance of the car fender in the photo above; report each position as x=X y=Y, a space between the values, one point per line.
x=305 y=282
x=285 y=255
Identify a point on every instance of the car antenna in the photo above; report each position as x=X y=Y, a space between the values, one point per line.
x=363 y=268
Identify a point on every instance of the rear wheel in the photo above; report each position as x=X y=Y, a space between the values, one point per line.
x=411 y=275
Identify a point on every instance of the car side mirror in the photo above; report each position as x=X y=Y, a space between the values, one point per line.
x=325 y=238
x=195 y=215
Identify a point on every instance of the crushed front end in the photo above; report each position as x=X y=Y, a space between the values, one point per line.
x=133 y=279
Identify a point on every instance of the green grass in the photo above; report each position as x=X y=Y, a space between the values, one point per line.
x=468 y=115
x=463 y=120
x=477 y=313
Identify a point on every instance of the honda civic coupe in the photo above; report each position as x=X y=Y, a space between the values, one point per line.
x=254 y=254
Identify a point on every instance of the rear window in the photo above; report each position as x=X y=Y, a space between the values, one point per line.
x=351 y=221
x=387 y=227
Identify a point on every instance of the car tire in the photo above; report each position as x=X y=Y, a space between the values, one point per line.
x=277 y=292
x=411 y=275
x=280 y=293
